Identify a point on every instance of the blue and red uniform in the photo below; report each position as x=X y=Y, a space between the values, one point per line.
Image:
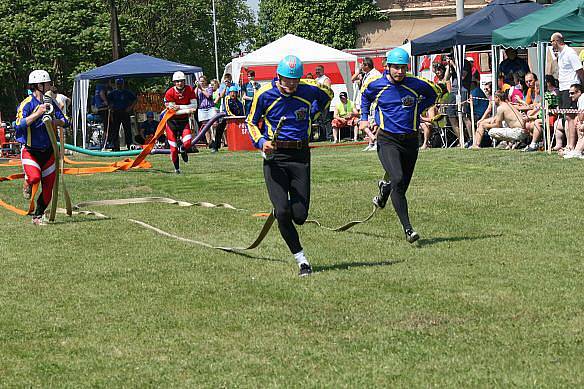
x=38 y=159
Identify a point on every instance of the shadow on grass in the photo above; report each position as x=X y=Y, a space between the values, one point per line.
x=372 y=234
x=246 y=255
x=429 y=242
x=348 y=265
x=66 y=221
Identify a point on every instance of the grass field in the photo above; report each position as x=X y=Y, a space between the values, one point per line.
x=491 y=296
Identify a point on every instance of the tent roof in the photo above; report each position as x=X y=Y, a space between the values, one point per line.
x=565 y=16
x=137 y=65
x=308 y=52
x=475 y=29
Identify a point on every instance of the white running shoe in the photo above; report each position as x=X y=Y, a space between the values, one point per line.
x=572 y=154
x=373 y=147
x=367 y=148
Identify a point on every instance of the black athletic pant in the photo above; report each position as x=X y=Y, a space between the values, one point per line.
x=287 y=177
x=117 y=118
x=216 y=143
x=398 y=157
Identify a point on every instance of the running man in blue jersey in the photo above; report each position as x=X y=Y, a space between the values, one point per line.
x=397 y=99
x=287 y=169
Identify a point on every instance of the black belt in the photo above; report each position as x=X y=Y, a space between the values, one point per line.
x=411 y=135
x=291 y=144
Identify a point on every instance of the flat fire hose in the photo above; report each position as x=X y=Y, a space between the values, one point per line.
x=47 y=119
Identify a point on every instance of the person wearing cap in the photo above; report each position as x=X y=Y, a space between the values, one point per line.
x=249 y=89
x=180 y=98
x=345 y=115
x=399 y=100
x=233 y=106
x=474 y=71
x=121 y=103
x=38 y=158
x=288 y=100
x=146 y=129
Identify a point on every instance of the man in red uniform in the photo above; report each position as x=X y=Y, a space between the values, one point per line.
x=38 y=159
x=180 y=98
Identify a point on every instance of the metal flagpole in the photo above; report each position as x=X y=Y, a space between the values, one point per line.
x=215 y=38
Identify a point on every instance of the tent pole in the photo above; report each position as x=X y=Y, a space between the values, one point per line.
x=541 y=51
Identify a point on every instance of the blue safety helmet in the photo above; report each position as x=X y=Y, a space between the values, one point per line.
x=290 y=66
x=398 y=56
x=119 y=80
x=233 y=88
x=150 y=114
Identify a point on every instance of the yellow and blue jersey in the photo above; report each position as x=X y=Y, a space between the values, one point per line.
x=35 y=135
x=271 y=104
x=234 y=107
x=397 y=106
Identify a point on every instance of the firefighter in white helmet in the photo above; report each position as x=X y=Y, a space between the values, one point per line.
x=38 y=159
x=180 y=97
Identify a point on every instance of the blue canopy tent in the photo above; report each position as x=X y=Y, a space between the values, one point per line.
x=475 y=30
x=133 y=65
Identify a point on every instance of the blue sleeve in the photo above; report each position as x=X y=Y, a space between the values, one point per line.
x=22 y=113
x=323 y=100
x=253 y=118
x=366 y=100
x=430 y=93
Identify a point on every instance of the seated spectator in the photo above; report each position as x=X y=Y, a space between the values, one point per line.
x=577 y=98
x=515 y=93
x=345 y=115
x=530 y=95
x=507 y=113
x=309 y=76
x=501 y=84
x=512 y=65
x=233 y=105
x=147 y=129
x=534 y=120
x=434 y=117
x=480 y=102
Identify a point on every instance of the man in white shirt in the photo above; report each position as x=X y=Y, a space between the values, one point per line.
x=367 y=71
x=569 y=72
x=322 y=78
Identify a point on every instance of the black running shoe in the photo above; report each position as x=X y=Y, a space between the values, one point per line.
x=384 y=190
x=411 y=235
x=183 y=154
x=305 y=270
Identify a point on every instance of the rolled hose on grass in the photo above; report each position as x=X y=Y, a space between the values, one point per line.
x=130 y=153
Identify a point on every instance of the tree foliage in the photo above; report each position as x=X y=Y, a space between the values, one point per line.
x=330 y=22
x=71 y=36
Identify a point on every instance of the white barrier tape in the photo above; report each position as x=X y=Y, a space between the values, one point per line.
x=564 y=110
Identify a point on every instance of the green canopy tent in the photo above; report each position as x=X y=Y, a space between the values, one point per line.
x=565 y=16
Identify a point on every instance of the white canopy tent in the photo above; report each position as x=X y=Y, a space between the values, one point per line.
x=308 y=52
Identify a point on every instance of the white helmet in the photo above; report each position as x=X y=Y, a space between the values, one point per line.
x=38 y=77
x=178 y=76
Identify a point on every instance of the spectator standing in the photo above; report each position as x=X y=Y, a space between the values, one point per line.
x=322 y=78
x=249 y=90
x=367 y=71
x=513 y=64
x=62 y=101
x=121 y=103
x=570 y=72
x=206 y=104
x=345 y=115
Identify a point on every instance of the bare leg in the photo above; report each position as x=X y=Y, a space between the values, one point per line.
x=478 y=136
x=335 y=135
x=559 y=134
x=571 y=132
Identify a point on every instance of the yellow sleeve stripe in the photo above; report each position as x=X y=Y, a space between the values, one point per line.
x=369 y=81
x=252 y=127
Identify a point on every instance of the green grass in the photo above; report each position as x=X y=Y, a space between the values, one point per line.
x=491 y=296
